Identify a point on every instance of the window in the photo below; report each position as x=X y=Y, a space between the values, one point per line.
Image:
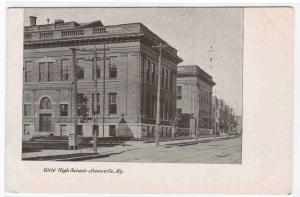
x=28 y=72
x=161 y=109
x=27 y=110
x=50 y=71
x=79 y=130
x=43 y=72
x=98 y=103
x=112 y=103
x=153 y=73
x=112 y=130
x=63 y=109
x=46 y=71
x=98 y=72
x=179 y=92
x=80 y=68
x=171 y=80
x=63 y=130
x=166 y=114
x=205 y=96
x=65 y=70
x=208 y=98
x=98 y=66
x=167 y=78
x=26 y=129
x=148 y=71
x=153 y=106
x=162 y=77
x=170 y=110
x=148 y=105
x=113 y=69
x=45 y=103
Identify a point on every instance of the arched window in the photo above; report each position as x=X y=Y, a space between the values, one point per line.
x=45 y=103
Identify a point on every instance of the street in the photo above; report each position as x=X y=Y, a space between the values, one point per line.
x=214 y=152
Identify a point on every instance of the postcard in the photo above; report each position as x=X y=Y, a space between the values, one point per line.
x=149 y=100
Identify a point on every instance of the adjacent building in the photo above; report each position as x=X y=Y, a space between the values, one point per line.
x=126 y=71
x=194 y=99
x=216 y=114
x=224 y=118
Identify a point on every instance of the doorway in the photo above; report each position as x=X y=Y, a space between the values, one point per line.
x=45 y=122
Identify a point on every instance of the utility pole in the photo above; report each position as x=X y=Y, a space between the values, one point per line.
x=103 y=107
x=95 y=111
x=197 y=115
x=75 y=95
x=160 y=46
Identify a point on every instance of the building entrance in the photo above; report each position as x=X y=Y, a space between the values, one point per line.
x=45 y=122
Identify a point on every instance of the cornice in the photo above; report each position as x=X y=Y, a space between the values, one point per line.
x=79 y=41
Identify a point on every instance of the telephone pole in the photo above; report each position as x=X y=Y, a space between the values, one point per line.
x=95 y=111
x=75 y=95
x=212 y=113
x=157 y=127
x=95 y=78
x=103 y=96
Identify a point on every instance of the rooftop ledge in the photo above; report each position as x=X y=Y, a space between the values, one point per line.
x=48 y=33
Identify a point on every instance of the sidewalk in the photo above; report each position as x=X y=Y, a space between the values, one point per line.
x=106 y=151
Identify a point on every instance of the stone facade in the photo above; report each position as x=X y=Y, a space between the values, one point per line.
x=194 y=96
x=129 y=75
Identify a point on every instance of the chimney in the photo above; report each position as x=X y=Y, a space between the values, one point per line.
x=32 y=20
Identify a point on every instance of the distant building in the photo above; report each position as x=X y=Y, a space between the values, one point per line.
x=223 y=126
x=194 y=96
x=239 y=121
x=231 y=121
x=215 y=114
x=130 y=78
x=224 y=117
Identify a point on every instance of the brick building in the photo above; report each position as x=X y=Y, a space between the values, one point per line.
x=126 y=79
x=194 y=96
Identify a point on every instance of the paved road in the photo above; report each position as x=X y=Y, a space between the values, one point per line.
x=224 y=151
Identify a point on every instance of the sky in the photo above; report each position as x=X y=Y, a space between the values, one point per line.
x=209 y=37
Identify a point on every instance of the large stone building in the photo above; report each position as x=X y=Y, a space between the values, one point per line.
x=126 y=85
x=194 y=97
